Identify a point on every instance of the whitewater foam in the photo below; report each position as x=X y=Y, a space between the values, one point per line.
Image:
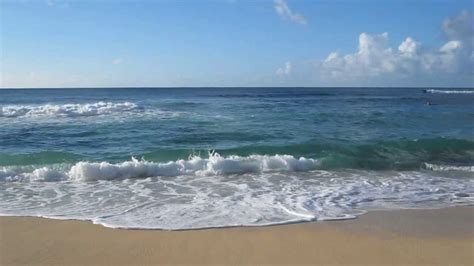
x=435 y=167
x=32 y=173
x=195 y=165
x=222 y=191
x=450 y=91
x=251 y=199
x=66 y=110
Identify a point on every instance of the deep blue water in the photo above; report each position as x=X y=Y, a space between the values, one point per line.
x=169 y=124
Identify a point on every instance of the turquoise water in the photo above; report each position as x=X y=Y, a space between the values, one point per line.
x=182 y=158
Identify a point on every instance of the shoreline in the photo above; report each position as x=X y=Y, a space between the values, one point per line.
x=355 y=217
x=410 y=236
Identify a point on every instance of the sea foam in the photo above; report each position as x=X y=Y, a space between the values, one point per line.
x=251 y=199
x=66 y=110
x=221 y=191
x=30 y=173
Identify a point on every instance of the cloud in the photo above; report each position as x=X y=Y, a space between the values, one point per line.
x=282 y=9
x=57 y=3
x=459 y=27
x=375 y=63
x=286 y=70
x=117 y=61
x=409 y=47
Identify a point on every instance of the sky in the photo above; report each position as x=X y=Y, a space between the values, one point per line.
x=236 y=43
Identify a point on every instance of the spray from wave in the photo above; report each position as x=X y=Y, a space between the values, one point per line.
x=66 y=110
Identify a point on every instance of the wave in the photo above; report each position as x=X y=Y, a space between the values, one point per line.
x=450 y=91
x=30 y=173
x=384 y=155
x=214 y=165
x=399 y=154
x=436 y=167
x=66 y=110
x=190 y=202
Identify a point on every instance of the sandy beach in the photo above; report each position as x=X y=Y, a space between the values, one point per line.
x=404 y=237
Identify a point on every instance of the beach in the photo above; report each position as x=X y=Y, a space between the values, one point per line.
x=396 y=237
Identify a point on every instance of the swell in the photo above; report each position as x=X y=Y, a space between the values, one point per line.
x=401 y=154
x=39 y=158
x=383 y=155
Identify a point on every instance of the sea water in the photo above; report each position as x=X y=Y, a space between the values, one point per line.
x=183 y=158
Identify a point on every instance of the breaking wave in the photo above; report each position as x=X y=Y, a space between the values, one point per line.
x=214 y=165
x=435 y=167
x=188 y=202
x=66 y=110
x=221 y=191
x=450 y=91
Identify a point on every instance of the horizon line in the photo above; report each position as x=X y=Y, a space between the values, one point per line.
x=237 y=87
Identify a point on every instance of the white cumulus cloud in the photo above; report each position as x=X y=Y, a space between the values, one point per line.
x=375 y=63
x=286 y=70
x=282 y=9
x=409 y=47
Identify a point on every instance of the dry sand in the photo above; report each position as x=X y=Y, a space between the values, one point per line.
x=405 y=237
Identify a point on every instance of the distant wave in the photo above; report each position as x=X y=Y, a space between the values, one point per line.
x=450 y=91
x=214 y=165
x=66 y=110
x=435 y=167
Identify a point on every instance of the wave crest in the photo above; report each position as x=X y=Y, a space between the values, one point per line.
x=450 y=91
x=66 y=110
x=28 y=174
x=195 y=165
x=435 y=167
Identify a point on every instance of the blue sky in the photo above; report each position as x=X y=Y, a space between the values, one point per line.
x=59 y=43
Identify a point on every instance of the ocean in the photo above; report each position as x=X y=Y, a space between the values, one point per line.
x=186 y=158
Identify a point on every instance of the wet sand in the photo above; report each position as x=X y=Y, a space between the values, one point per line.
x=402 y=237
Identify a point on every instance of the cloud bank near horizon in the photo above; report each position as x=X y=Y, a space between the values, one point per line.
x=376 y=64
